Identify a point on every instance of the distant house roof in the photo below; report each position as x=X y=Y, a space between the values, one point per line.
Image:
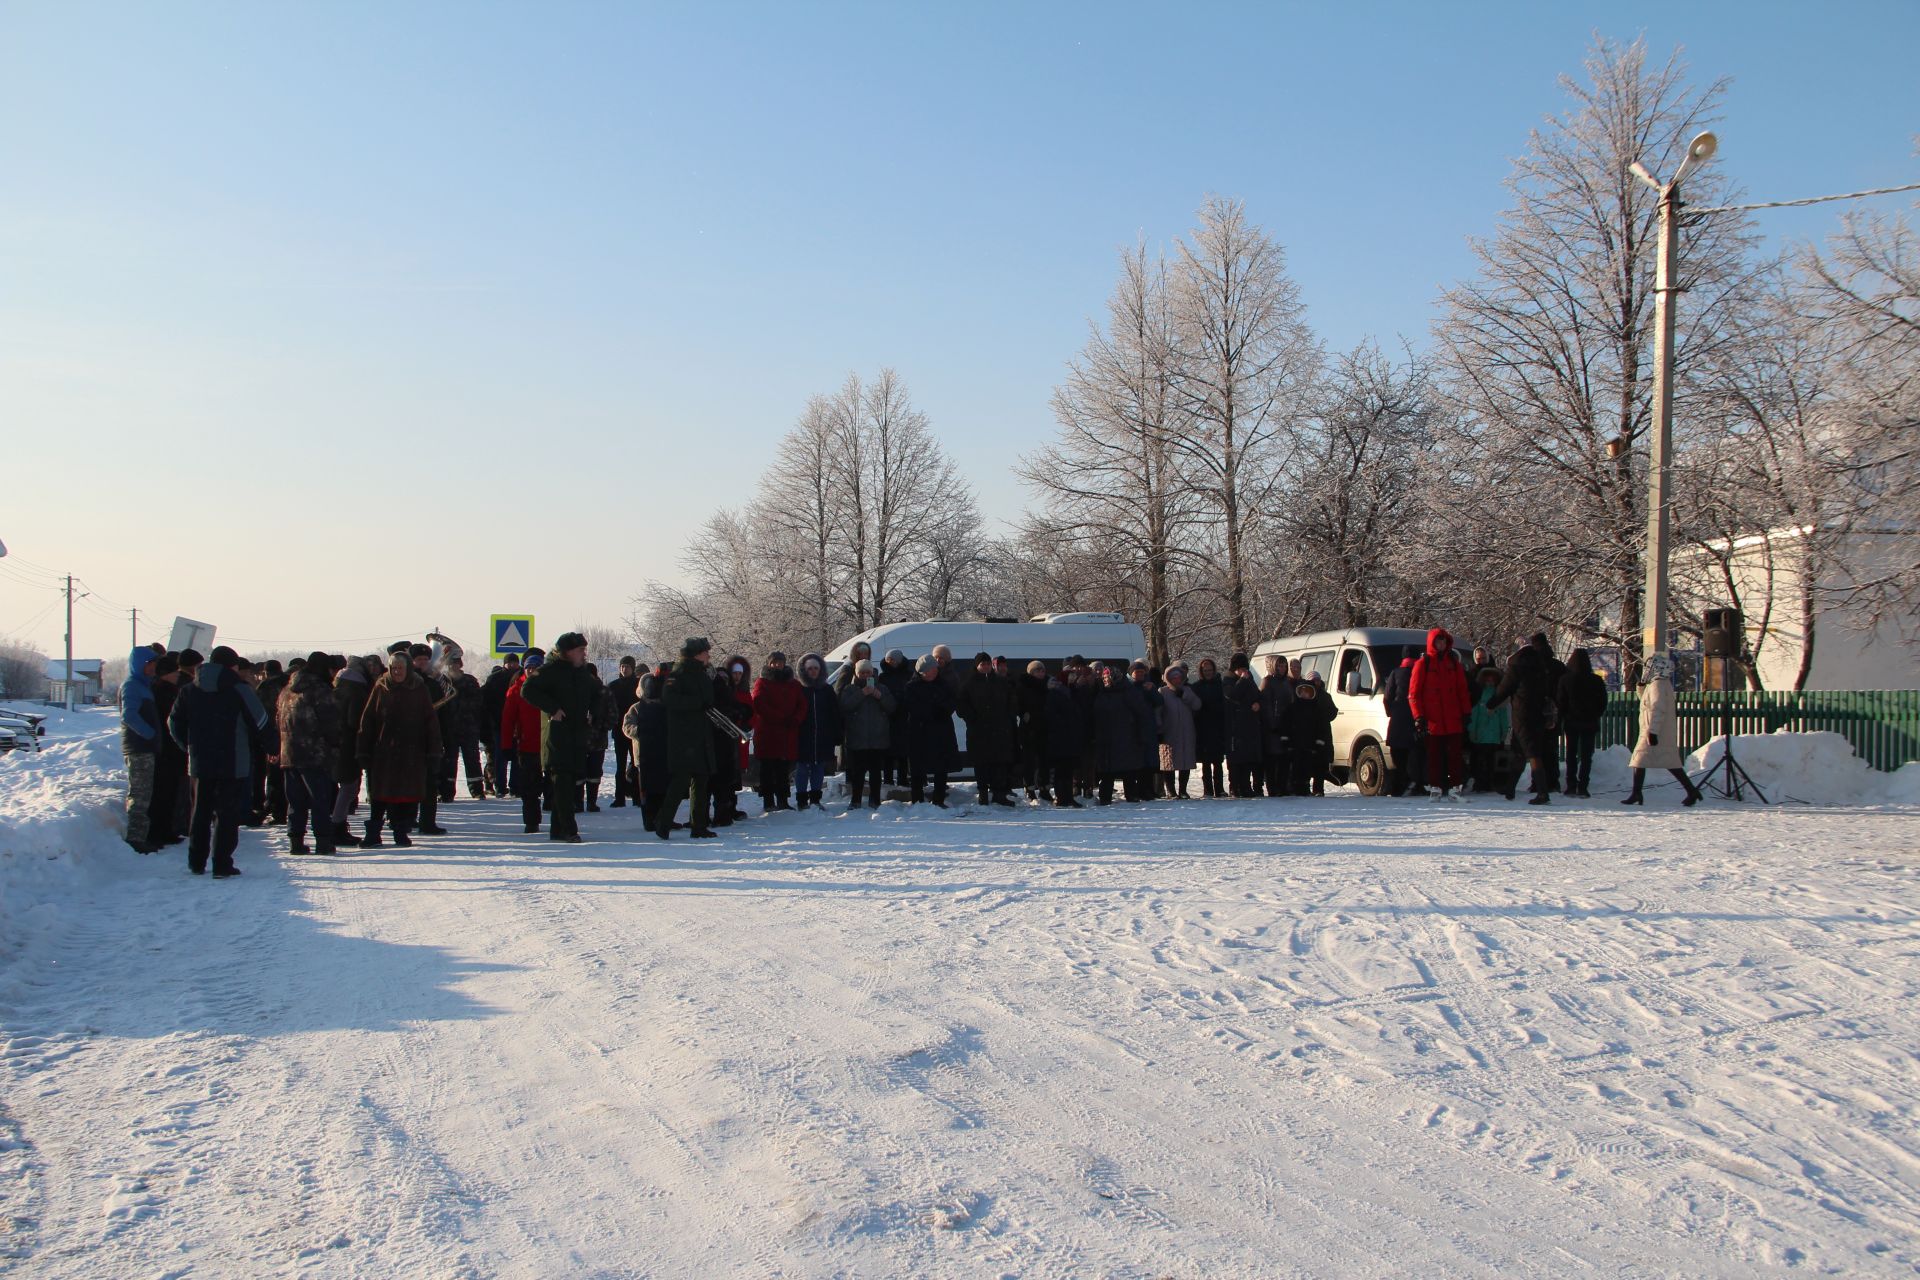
x=83 y=668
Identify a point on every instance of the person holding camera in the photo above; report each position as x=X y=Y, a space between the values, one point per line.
x=866 y=714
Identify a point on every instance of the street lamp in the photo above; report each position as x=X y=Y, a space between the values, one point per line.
x=1653 y=621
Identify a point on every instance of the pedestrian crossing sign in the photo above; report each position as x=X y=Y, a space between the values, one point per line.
x=512 y=633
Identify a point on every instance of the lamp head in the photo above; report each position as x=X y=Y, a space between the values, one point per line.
x=1699 y=151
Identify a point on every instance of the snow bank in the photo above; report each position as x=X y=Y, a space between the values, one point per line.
x=1816 y=768
x=62 y=823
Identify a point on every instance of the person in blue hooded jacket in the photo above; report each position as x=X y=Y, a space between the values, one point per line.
x=217 y=720
x=140 y=745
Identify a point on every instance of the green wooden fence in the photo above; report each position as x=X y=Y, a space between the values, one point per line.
x=1882 y=724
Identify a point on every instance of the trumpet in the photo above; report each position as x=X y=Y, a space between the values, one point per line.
x=725 y=725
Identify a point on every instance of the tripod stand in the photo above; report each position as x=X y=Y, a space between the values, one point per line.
x=1735 y=782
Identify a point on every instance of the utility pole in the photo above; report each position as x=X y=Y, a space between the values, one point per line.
x=1653 y=619
x=69 y=642
x=135 y=643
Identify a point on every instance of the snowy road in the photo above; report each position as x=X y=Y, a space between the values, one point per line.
x=1253 y=1039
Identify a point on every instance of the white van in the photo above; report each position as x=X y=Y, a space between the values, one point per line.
x=1050 y=637
x=1100 y=638
x=1355 y=664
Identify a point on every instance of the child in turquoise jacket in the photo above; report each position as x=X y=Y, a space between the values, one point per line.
x=1487 y=732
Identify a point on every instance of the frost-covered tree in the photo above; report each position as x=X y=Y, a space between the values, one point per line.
x=1109 y=481
x=1548 y=350
x=1246 y=365
x=1347 y=514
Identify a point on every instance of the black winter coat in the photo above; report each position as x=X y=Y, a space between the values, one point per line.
x=1065 y=729
x=350 y=699
x=1031 y=695
x=1531 y=683
x=989 y=706
x=1210 y=721
x=1117 y=729
x=930 y=741
x=645 y=725
x=1583 y=700
x=493 y=703
x=1276 y=715
x=1244 y=732
x=561 y=686
x=1309 y=728
x=1403 y=730
x=1147 y=709
x=895 y=680
x=687 y=698
x=217 y=721
x=820 y=730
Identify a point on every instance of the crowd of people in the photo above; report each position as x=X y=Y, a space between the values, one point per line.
x=217 y=743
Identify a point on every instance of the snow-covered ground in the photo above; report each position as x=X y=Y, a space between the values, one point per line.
x=1259 y=1038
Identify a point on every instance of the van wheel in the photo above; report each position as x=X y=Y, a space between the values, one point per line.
x=1370 y=770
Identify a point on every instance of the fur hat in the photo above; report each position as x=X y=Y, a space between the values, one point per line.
x=777 y=656
x=927 y=663
x=695 y=646
x=1239 y=662
x=570 y=641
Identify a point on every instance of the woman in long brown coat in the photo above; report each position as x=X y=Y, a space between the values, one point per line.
x=399 y=743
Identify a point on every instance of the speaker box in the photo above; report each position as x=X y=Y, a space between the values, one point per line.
x=1721 y=636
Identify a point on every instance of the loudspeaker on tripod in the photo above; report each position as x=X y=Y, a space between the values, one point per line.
x=1721 y=636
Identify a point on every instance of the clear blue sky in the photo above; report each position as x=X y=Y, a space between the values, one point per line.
x=334 y=320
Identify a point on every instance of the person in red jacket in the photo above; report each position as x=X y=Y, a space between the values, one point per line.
x=1438 y=697
x=520 y=735
x=779 y=705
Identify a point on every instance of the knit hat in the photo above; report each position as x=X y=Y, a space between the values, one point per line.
x=570 y=641
x=864 y=667
x=1239 y=662
x=927 y=663
x=695 y=646
x=533 y=661
x=222 y=656
x=1036 y=668
x=896 y=655
x=982 y=656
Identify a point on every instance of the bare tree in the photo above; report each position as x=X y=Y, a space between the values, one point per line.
x=1347 y=510
x=23 y=670
x=1109 y=480
x=1548 y=351
x=1246 y=366
x=1865 y=289
x=905 y=513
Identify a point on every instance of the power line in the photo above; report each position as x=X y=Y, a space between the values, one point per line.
x=30 y=622
x=1794 y=204
x=98 y=595
x=29 y=582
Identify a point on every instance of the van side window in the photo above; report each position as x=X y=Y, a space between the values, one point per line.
x=1355 y=660
x=1318 y=663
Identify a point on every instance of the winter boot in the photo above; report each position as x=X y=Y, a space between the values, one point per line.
x=593 y=797
x=297 y=847
x=803 y=801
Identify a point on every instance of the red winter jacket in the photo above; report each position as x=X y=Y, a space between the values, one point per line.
x=519 y=720
x=778 y=708
x=1438 y=692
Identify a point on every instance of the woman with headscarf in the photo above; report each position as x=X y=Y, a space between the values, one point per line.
x=1659 y=745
